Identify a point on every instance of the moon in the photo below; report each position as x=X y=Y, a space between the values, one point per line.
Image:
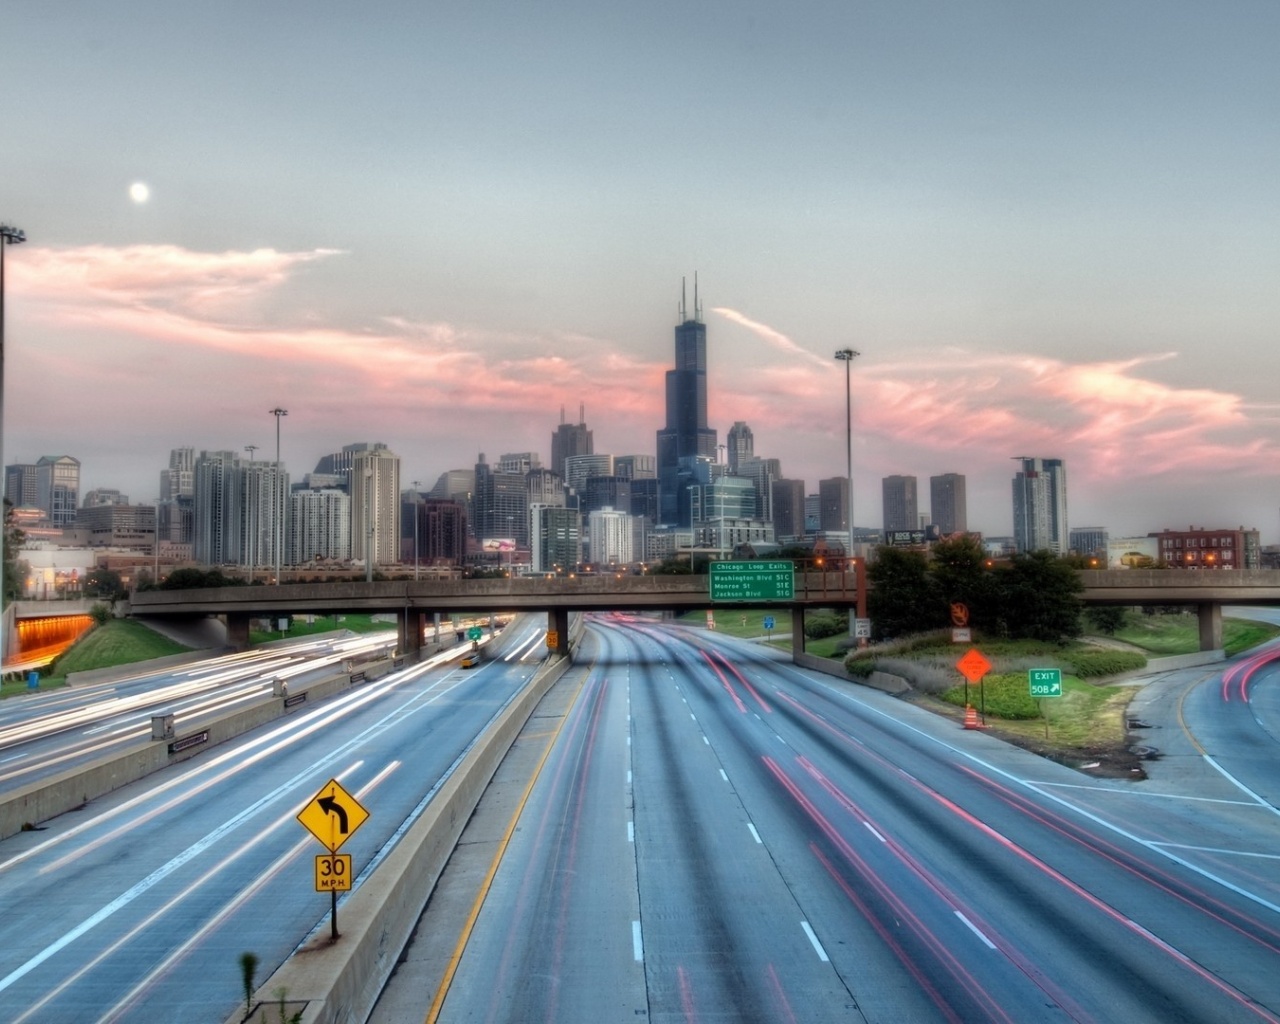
x=139 y=192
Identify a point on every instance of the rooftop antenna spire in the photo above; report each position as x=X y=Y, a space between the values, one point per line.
x=582 y=413
x=697 y=306
x=562 y=415
x=682 y=306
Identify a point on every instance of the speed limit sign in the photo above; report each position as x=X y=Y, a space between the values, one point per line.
x=333 y=872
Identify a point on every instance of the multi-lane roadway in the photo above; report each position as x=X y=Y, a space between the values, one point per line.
x=718 y=836
x=138 y=906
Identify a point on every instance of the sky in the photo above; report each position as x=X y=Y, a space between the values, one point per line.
x=1048 y=229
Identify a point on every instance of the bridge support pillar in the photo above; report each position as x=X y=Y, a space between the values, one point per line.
x=1210 y=627
x=409 y=626
x=797 y=630
x=238 y=631
x=558 y=623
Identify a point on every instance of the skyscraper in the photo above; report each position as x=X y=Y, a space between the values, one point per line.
x=741 y=445
x=788 y=510
x=948 y=509
x=375 y=505
x=833 y=505
x=218 y=508
x=58 y=488
x=570 y=439
x=686 y=435
x=901 y=505
x=1040 y=506
x=177 y=490
x=501 y=504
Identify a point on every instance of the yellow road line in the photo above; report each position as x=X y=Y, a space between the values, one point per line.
x=442 y=992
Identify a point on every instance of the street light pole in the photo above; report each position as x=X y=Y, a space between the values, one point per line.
x=278 y=500
x=847 y=356
x=253 y=512
x=718 y=490
x=368 y=519
x=9 y=235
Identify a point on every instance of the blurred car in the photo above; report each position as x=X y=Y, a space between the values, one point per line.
x=470 y=661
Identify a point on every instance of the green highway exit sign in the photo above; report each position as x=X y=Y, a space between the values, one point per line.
x=1045 y=682
x=753 y=581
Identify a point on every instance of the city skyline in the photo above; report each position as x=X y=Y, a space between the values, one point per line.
x=1046 y=231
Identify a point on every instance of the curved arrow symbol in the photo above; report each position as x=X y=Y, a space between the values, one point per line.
x=331 y=806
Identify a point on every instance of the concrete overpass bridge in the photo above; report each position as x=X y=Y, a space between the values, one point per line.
x=412 y=601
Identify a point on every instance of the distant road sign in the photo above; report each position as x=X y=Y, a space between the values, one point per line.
x=768 y=622
x=553 y=639
x=333 y=815
x=753 y=581
x=333 y=872
x=974 y=665
x=1045 y=682
x=862 y=629
x=475 y=633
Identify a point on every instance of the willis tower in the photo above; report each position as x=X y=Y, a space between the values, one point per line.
x=686 y=445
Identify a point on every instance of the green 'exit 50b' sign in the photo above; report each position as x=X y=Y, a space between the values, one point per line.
x=1045 y=682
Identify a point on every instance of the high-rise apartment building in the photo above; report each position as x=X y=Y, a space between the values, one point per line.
x=609 y=534
x=787 y=498
x=686 y=436
x=948 y=508
x=570 y=439
x=319 y=526
x=901 y=505
x=580 y=468
x=58 y=488
x=442 y=532
x=265 y=514
x=741 y=445
x=1040 y=506
x=175 y=518
x=375 y=505
x=833 y=505
x=218 y=508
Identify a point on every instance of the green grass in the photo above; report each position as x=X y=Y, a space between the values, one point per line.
x=323 y=624
x=1084 y=715
x=118 y=642
x=1165 y=635
x=749 y=623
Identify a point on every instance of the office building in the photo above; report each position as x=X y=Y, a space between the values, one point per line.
x=1090 y=541
x=501 y=503
x=545 y=487
x=901 y=507
x=570 y=439
x=103 y=496
x=787 y=498
x=762 y=473
x=636 y=467
x=319 y=526
x=518 y=462
x=578 y=468
x=375 y=505
x=1040 y=506
x=948 y=508
x=58 y=488
x=119 y=525
x=339 y=463
x=605 y=492
x=833 y=505
x=20 y=488
x=556 y=539
x=175 y=517
x=686 y=436
x=740 y=445
x=442 y=532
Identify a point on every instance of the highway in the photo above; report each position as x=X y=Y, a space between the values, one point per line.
x=716 y=835
x=46 y=733
x=138 y=906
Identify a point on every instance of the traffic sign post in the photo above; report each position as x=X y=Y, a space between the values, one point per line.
x=333 y=815
x=768 y=625
x=475 y=633
x=974 y=666
x=1045 y=682
x=753 y=581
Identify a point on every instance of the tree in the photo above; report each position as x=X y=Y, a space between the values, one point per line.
x=960 y=573
x=1106 y=618
x=103 y=583
x=1039 y=597
x=188 y=579
x=13 y=538
x=903 y=598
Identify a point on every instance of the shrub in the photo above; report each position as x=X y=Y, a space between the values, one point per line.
x=101 y=614
x=1007 y=696
x=1094 y=664
x=825 y=624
